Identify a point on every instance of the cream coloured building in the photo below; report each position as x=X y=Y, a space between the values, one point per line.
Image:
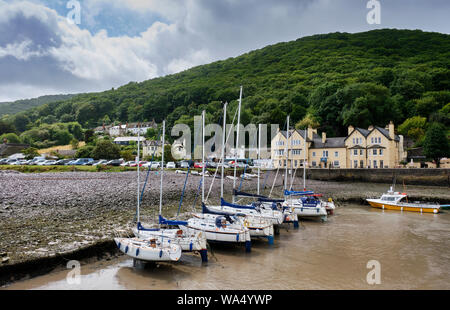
x=374 y=147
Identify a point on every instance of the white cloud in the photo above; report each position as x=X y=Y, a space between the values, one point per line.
x=40 y=50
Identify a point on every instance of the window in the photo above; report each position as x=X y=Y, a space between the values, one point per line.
x=279 y=152
x=381 y=164
x=336 y=154
x=284 y=163
x=295 y=163
x=361 y=163
x=279 y=143
x=313 y=163
x=295 y=142
x=381 y=151
x=355 y=152
x=379 y=140
x=336 y=163
x=325 y=154
x=375 y=164
x=354 y=141
x=371 y=140
x=374 y=151
x=314 y=154
x=361 y=152
x=296 y=152
x=355 y=164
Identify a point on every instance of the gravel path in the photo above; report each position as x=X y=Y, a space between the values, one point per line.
x=50 y=213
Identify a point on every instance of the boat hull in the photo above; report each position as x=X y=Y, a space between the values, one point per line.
x=375 y=203
x=188 y=243
x=141 y=250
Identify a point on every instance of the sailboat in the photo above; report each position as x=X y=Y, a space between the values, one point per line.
x=153 y=248
x=260 y=224
x=307 y=205
x=216 y=227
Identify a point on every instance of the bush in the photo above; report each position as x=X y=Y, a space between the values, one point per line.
x=10 y=138
x=105 y=149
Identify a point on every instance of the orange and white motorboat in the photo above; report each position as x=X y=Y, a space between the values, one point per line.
x=399 y=201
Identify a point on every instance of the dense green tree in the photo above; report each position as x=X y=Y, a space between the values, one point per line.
x=21 y=121
x=10 y=138
x=413 y=127
x=105 y=149
x=62 y=137
x=84 y=151
x=436 y=144
x=30 y=153
x=6 y=127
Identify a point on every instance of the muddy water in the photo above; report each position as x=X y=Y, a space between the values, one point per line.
x=413 y=251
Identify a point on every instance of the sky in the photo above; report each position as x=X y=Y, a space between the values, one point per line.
x=43 y=51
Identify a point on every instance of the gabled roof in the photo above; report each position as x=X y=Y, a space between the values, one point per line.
x=301 y=133
x=385 y=133
x=364 y=132
x=338 y=142
x=376 y=146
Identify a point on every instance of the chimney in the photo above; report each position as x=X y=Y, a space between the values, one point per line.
x=370 y=128
x=310 y=133
x=350 y=129
x=391 y=130
x=324 y=137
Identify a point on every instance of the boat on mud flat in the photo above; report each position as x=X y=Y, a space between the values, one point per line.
x=154 y=250
x=399 y=201
x=306 y=206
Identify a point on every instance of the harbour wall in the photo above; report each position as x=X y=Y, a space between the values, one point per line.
x=408 y=176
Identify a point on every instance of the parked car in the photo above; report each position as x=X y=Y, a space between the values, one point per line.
x=82 y=161
x=155 y=165
x=198 y=165
x=114 y=162
x=100 y=162
x=171 y=165
x=3 y=161
x=49 y=162
x=184 y=164
x=128 y=164
x=62 y=162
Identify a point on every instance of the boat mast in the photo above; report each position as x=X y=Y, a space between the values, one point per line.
x=203 y=156
x=138 y=180
x=237 y=142
x=304 y=162
x=162 y=168
x=223 y=146
x=286 y=149
x=259 y=155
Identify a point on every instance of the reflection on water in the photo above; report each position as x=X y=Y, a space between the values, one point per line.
x=412 y=248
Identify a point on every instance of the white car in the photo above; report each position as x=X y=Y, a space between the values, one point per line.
x=100 y=162
x=127 y=164
x=171 y=165
x=47 y=163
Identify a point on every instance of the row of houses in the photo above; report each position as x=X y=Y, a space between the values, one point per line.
x=375 y=147
x=126 y=129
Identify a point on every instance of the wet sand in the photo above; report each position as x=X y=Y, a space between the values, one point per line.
x=412 y=248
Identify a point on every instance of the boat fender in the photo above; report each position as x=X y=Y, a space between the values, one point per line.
x=126 y=249
x=160 y=253
x=190 y=246
x=137 y=252
x=118 y=245
x=237 y=237
x=246 y=223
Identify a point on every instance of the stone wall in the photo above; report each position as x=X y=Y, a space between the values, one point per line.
x=411 y=176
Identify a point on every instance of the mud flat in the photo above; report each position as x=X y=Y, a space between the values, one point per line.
x=48 y=219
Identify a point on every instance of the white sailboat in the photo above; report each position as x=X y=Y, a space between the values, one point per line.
x=219 y=228
x=153 y=249
x=187 y=241
x=307 y=205
x=260 y=224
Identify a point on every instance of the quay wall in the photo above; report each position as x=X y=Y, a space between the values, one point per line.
x=410 y=176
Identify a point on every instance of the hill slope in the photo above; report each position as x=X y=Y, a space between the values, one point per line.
x=335 y=79
x=26 y=104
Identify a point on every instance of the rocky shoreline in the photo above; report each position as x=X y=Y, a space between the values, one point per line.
x=47 y=217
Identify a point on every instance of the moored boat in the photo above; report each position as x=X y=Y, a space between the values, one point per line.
x=399 y=201
x=154 y=250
